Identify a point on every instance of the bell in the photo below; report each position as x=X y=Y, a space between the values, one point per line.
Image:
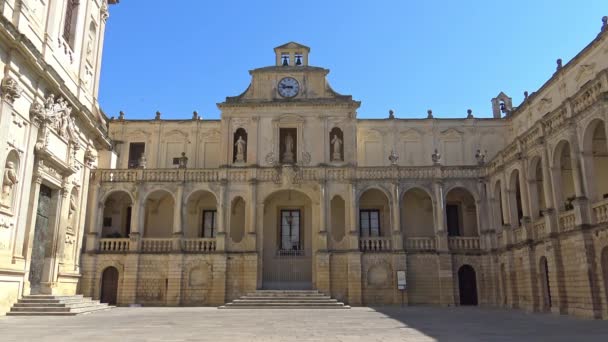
x=285 y=61
x=298 y=60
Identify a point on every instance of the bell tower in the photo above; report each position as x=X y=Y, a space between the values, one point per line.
x=292 y=54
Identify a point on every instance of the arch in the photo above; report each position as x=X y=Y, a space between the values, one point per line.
x=159 y=209
x=106 y=195
x=374 y=212
x=595 y=156
x=498 y=205
x=11 y=180
x=237 y=219
x=338 y=218
x=543 y=267
x=109 y=286
x=117 y=209
x=336 y=145
x=417 y=219
x=515 y=193
x=201 y=217
x=192 y=192
x=467 y=285
x=287 y=234
x=563 y=176
x=461 y=212
x=239 y=148
x=537 y=187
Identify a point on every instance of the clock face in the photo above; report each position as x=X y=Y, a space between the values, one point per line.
x=288 y=87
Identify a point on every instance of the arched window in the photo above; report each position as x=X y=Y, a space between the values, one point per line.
x=336 y=145
x=69 y=22
x=239 y=150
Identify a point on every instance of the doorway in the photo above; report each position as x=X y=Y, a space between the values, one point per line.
x=42 y=236
x=467 y=284
x=109 y=286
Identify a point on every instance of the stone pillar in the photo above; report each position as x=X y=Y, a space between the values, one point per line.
x=581 y=203
x=550 y=212
x=220 y=238
x=137 y=212
x=322 y=234
x=95 y=214
x=251 y=227
x=177 y=218
x=353 y=232
x=397 y=236
x=441 y=233
x=355 y=291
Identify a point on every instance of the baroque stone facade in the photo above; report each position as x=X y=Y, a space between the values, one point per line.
x=51 y=128
x=291 y=190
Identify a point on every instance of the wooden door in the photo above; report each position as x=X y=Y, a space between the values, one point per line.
x=109 y=286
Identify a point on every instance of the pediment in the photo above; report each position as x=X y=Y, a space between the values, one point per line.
x=290 y=119
x=451 y=133
x=410 y=134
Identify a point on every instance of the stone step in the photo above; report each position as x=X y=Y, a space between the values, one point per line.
x=285 y=299
x=38 y=305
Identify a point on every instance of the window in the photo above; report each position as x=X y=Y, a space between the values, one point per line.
x=136 y=151
x=69 y=23
x=290 y=230
x=369 y=222
x=107 y=222
x=209 y=223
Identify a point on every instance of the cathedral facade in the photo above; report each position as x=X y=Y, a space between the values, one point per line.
x=291 y=190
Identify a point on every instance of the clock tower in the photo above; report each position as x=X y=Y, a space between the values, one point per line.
x=289 y=114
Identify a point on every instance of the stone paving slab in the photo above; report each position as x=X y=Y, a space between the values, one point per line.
x=358 y=324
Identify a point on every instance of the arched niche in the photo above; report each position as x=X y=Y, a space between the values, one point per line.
x=596 y=159
x=338 y=215
x=499 y=210
x=517 y=211
x=201 y=217
x=374 y=213
x=461 y=213
x=237 y=219
x=10 y=180
x=563 y=176
x=239 y=150
x=159 y=212
x=116 y=222
x=417 y=214
x=336 y=145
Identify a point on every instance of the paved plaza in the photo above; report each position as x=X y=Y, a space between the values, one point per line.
x=357 y=324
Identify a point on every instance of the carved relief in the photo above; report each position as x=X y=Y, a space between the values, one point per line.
x=11 y=90
x=57 y=115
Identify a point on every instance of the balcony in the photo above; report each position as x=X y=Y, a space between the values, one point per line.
x=420 y=244
x=374 y=244
x=600 y=211
x=463 y=243
x=157 y=245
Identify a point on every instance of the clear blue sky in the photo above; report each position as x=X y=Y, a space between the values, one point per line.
x=180 y=56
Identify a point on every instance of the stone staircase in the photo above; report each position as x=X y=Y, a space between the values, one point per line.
x=285 y=299
x=48 y=305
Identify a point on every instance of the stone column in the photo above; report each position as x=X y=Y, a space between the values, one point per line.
x=353 y=232
x=220 y=238
x=397 y=236
x=251 y=227
x=95 y=214
x=322 y=234
x=581 y=203
x=441 y=233
x=550 y=212
x=177 y=218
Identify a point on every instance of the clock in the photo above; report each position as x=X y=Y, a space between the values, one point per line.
x=288 y=87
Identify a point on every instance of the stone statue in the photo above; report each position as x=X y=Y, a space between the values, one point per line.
x=393 y=157
x=8 y=181
x=480 y=157
x=436 y=156
x=288 y=155
x=72 y=206
x=337 y=144
x=240 y=150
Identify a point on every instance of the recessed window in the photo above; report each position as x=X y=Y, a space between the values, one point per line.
x=369 y=222
x=136 y=151
x=290 y=230
x=209 y=223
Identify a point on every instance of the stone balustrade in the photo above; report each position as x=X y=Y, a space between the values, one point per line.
x=540 y=229
x=374 y=244
x=271 y=174
x=600 y=211
x=113 y=245
x=200 y=245
x=463 y=243
x=420 y=243
x=567 y=221
x=150 y=245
